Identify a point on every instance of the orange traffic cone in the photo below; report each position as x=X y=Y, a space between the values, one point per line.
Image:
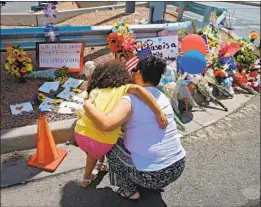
x=47 y=156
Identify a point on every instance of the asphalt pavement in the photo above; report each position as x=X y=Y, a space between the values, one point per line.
x=247 y=17
x=18 y=7
x=222 y=169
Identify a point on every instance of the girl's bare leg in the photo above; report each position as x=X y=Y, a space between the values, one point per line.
x=90 y=164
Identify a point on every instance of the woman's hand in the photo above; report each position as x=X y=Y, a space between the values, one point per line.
x=162 y=120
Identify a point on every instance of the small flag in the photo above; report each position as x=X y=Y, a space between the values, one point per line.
x=144 y=53
x=132 y=63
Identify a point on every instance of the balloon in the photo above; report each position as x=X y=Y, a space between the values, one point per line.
x=193 y=62
x=194 y=42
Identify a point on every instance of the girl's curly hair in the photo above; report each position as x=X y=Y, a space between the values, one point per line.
x=109 y=75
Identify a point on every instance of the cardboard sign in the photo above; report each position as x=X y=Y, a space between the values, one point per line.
x=59 y=54
x=165 y=47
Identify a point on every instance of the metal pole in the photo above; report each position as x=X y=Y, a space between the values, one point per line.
x=130 y=7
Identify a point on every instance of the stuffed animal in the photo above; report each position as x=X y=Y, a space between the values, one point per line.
x=89 y=67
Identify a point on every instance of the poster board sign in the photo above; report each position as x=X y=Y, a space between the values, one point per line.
x=165 y=47
x=59 y=54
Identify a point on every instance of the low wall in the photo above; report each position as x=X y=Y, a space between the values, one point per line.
x=87 y=4
x=38 y=19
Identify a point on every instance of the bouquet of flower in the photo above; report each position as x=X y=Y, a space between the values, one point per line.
x=245 y=56
x=121 y=28
x=61 y=75
x=121 y=38
x=18 y=63
x=212 y=35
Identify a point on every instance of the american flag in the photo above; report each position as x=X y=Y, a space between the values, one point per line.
x=145 y=52
x=132 y=63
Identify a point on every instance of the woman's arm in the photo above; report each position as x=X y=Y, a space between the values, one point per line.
x=147 y=98
x=108 y=122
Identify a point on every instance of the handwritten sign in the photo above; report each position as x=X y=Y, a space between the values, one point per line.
x=165 y=47
x=59 y=54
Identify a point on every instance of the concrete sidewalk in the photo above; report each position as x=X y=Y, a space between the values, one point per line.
x=222 y=169
x=24 y=138
x=15 y=162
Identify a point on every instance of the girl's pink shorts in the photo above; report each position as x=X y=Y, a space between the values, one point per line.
x=91 y=146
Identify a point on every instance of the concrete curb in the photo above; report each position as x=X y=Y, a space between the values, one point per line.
x=38 y=19
x=249 y=3
x=23 y=138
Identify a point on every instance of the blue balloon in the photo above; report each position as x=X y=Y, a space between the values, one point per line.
x=193 y=62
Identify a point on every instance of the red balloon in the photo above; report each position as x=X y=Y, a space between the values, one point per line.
x=194 y=42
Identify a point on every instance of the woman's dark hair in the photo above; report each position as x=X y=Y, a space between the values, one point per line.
x=109 y=75
x=152 y=68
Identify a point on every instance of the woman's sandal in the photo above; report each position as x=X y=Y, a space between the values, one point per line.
x=103 y=166
x=132 y=196
x=86 y=182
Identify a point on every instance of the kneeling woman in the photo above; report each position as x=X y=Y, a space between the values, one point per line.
x=147 y=155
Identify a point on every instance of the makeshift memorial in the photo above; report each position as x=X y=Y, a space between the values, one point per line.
x=69 y=107
x=66 y=94
x=204 y=89
x=18 y=64
x=72 y=83
x=46 y=105
x=21 y=109
x=48 y=87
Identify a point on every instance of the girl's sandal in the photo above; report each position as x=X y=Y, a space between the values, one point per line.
x=86 y=182
x=133 y=196
x=103 y=166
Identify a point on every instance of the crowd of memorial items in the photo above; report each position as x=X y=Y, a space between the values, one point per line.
x=198 y=65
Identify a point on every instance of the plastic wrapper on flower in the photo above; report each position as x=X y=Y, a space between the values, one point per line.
x=168 y=76
x=42 y=74
x=229 y=61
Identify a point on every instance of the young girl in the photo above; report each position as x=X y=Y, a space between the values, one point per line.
x=107 y=85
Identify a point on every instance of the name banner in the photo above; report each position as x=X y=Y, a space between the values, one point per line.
x=59 y=54
x=165 y=47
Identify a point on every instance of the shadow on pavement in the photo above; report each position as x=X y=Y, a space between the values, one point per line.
x=252 y=203
x=14 y=169
x=73 y=195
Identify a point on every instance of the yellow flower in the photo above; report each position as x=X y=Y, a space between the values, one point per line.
x=29 y=60
x=227 y=55
x=11 y=60
x=86 y=96
x=114 y=24
x=7 y=66
x=16 y=52
x=253 y=35
x=41 y=97
x=14 y=69
x=57 y=101
x=76 y=90
x=23 y=53
x=205 y=31
x=29 y=67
